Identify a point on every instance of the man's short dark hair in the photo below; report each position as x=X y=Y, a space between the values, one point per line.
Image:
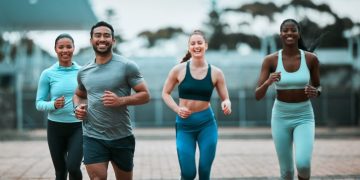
x=102 y=23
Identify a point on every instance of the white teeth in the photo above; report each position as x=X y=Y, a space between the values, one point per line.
x=102 y=45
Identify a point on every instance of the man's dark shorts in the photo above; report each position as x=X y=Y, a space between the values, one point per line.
x=120 y=151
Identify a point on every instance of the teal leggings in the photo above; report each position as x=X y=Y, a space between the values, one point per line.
x=201 y=129
x=293 y=124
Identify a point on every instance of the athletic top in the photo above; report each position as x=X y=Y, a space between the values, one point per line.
x=195 y=89
x=54 y=82
x=293 y=80
x=119 y=75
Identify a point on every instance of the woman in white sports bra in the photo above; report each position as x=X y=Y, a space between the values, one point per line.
x=295 y=72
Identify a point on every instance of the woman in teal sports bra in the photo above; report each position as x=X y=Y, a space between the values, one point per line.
x=195 y=121
x=295 y=72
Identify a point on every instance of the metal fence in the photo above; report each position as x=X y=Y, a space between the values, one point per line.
x=332 y=108
x=337 y=106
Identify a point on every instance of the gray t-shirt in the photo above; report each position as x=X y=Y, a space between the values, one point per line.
x=118 y=75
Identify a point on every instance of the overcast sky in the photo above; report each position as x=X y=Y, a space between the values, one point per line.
x=134 y=16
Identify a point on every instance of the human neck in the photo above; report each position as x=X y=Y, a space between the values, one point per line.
x=290 y=50
x=198 y=62
x=103 y=58
x=65 y=64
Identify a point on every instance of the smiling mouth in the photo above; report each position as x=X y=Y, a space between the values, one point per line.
x=102 y=46
x=65 y=55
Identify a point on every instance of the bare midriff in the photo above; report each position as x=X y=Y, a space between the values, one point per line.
x=292 y=95
x=194 y=105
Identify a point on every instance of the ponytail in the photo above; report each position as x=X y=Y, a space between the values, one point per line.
x=313 y=45
x=317 y=42
x=186 y=57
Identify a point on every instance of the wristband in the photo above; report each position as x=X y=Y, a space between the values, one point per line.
x=75 y=108
x=318 y=90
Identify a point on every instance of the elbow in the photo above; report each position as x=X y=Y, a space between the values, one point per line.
x=165 y=96
x=258 y=97
x=38 y=107
x=147 y=97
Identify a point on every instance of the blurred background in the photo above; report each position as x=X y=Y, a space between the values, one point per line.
x=155 y=33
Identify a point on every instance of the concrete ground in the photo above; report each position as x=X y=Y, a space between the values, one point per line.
x=242 y=153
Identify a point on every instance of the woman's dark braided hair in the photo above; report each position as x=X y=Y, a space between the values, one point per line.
x=301 y=43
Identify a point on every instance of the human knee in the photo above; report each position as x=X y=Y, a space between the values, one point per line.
x=303 y=168
x=75 y=173
x=301 y=178
x=304 y=172
x=60 y=173
x=98 y=175
x=73 y=167
x=287 y=175
x=204 y=174
x=188 y=175
x=60 y=176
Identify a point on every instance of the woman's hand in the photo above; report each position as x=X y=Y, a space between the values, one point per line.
x=59 y=102
x=311 y=91
x=274 y=77
x=226 y=107
x=184 y=112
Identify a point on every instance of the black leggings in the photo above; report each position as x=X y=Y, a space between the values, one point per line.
x=65 y=144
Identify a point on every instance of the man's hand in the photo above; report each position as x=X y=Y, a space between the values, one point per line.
x=110 y=99
x=81 y=111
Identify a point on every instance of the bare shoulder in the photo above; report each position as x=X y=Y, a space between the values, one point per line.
x=271 y=57
x=311 y=58
x=178 y=71
x=215 y=70
x=179 y=67
x=217 y=74
x=270 y=61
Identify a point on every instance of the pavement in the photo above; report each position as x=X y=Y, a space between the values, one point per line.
x=242 y=153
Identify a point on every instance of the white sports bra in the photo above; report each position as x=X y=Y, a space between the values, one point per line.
x=293 y=80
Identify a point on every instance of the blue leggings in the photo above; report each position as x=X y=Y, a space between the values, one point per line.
x=293 y=124
x=199 y=128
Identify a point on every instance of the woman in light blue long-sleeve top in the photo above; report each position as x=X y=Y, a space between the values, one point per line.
x=56 y=87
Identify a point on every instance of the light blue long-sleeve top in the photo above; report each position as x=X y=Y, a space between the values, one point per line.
x=54 y=82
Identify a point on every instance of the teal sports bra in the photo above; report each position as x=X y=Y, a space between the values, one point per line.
x=293 y=80
x=195 y=89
